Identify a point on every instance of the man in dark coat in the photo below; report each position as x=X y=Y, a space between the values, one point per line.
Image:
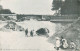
x=31 y=33
x=26 y=32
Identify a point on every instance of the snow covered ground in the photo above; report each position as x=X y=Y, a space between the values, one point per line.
x=16 y=41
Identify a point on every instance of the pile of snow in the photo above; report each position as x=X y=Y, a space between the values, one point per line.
x=11 y=26
x=35 y=25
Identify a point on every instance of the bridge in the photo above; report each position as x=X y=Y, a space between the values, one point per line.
x=52 y=18
x=58 y=19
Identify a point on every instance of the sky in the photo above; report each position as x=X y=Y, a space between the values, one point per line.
x=28 y=6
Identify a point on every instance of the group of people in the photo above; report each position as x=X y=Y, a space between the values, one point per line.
x=63 y=44
x=40 y=32
x=31 y=33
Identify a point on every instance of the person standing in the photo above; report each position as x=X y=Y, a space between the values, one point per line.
x=57 y=43
x=26 y=32
x=31 y=33
x=65 y=44
x=61 y=42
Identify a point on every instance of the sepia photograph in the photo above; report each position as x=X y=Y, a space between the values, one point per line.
x=39 y=25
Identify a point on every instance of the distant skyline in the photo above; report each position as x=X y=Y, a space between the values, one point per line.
x=28 y=6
